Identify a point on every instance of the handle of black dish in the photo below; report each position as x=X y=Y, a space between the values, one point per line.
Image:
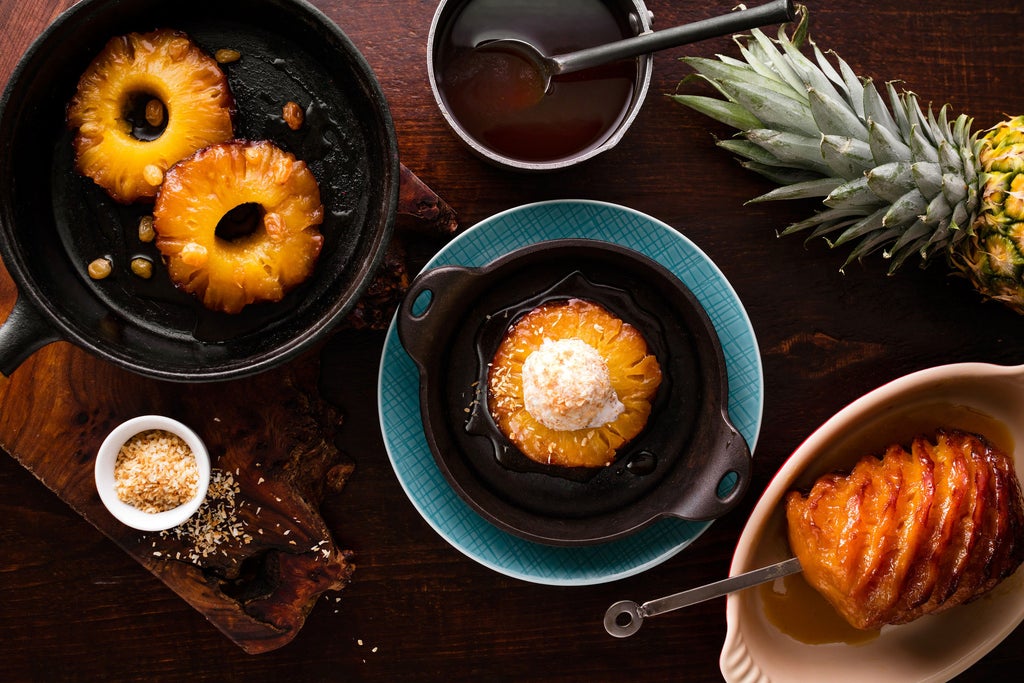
x=23 y=333
x=418 y=330
x=706 y=502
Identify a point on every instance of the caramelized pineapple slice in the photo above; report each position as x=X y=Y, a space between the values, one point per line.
x=115 y=97
x=950 y=476
x=830 y=531
x=910 y=494
x=230 y=271
x=955 y=556
x=634 y=374
x=937 y=527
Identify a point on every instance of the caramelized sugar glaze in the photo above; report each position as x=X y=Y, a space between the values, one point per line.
x=501 y=110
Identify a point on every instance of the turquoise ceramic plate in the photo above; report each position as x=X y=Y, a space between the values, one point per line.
x=399 y=408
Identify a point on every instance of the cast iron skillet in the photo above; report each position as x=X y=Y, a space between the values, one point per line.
x=53 y=221
x=689 y=462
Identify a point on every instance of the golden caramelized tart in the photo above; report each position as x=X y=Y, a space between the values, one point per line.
x=260 y=259
x=911 y=533
x=571 y=383
x=158 y=79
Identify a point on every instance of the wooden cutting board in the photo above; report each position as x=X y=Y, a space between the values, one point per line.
x=257 y=556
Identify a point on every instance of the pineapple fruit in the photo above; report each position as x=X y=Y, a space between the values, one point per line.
x=228 y=269
x=634 y=373
x=894 y=177
x=184 y=95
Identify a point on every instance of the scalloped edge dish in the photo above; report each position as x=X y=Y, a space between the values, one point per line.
x=932 y=648
x=402 y=427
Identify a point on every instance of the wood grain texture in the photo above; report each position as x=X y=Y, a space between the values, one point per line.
x=75 y=606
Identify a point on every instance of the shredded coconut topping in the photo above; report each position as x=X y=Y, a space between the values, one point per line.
x=217 y=524
x=567 y=386
x=155 y=471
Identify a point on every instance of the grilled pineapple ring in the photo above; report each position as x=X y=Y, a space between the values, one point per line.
x=633 y=372
x=228 y=272
x=162 y=65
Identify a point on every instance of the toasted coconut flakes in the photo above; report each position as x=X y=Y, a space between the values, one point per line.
x=155 y=471
x=215 y=523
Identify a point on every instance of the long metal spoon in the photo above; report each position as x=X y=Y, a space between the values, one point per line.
x=546 y=67
x=624 y=618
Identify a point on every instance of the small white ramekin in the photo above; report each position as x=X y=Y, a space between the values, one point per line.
x=106 y=457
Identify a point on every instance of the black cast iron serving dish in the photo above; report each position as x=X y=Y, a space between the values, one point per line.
x=53 y=221
x=688 y=462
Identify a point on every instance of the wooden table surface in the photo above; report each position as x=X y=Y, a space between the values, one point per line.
x=73 y=606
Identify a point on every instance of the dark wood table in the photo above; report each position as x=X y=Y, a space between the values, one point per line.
x=74 y=606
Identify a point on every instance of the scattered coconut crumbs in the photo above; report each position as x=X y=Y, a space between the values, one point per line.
x=215 y=523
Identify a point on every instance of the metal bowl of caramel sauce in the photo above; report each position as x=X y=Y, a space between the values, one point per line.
x=499 y=118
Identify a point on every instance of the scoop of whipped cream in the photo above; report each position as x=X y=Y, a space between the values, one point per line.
x=566 y=386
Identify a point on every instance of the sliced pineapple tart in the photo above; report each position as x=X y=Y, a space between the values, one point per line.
x=589 y=396
x=229 y=269
x=115 y=99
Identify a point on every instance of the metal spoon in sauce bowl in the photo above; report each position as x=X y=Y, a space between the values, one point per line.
x=624 y=618
x=540 y=69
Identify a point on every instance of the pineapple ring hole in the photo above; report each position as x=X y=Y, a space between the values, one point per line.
x=241 y=221
x=145 y=125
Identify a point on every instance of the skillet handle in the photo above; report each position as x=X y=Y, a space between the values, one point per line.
x=722 y=485
x=24 y=332
x=427 y=309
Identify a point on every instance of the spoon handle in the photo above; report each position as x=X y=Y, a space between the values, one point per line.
x=625 y=617
x=774 y=12
x=723 y=587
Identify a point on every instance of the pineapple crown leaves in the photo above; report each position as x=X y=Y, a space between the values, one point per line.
x=890 y=175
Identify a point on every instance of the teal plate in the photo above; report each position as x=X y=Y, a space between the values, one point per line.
x=402 y=427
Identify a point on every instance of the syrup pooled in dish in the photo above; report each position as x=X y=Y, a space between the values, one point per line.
x=571 y=383
x=913 y=532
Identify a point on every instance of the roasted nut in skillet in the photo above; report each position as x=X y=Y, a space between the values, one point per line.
x=142 y=267
x=100 y=268
x=293 y=115
x=146 y=231
x=155 y=113
x=153 y=175
x=227 y=55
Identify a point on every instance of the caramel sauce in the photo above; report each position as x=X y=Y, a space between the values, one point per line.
x=803 y=614
x=790 y=603
x=499 y=100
